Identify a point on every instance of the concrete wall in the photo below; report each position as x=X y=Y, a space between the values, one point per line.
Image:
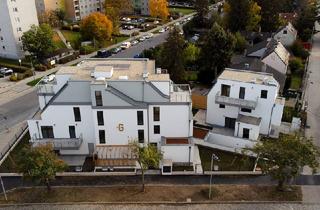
x=275 y=62
x=285 y=39
x=253 y=133
x=178 y=153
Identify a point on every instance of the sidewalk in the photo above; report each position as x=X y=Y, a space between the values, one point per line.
x=311 y=194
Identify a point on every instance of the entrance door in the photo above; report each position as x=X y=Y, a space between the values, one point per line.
x=230 y=122
x=245 y=133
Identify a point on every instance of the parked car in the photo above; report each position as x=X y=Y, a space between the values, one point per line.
x=130 y=27
x=149 y=36
x=5 y=71
x=116 y=50
x=136 y=56
x=103 y=54
x=162 y=30
x=156 y=22
x=134 y=42
x=141 y=39
x=125 y=45
x=48 y=78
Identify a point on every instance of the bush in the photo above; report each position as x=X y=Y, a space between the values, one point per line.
x=69 y=58
x=13 y=78
x=67 y=27
x=40 y=67
x=241 y=43
x=28 y=73
x=76 y=28
x=86 y=49
x=21 y=76
x=298 y=50
x=15 y=68
x=296 y=65
x=136 y=33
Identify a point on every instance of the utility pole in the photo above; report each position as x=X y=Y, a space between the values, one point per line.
x=213 y=157
x=3 y=189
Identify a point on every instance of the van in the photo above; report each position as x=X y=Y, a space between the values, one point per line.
x=103 y=54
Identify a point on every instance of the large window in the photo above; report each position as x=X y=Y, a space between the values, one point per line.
x=72 y=132
x=100 y=118
x=140 y=117
x=245 y=133
x=102 y=136
x=246 y=110
x=156 y=129
x=141 y=136
x=77 y=115
x=47 y=132
x=264 y=94
x=156 y=113
x=242 y=92
x=225 y=90
x=98 y=98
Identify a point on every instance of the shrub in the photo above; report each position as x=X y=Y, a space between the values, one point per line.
x=20 y=76
x=13 y=78
x=76 y=28
x=298 y=50
x=28 y=73
x=86 y=49
x=296 y=65
x=241 y=43
x=136 y=33
x=40 y=67
x=15 y=68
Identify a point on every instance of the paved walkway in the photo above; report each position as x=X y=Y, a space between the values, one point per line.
x=63 y=39
x=311 y=194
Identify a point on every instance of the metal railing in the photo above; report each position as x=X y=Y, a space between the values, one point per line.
x=59 y=143
x=220 y=99
x=180 y=93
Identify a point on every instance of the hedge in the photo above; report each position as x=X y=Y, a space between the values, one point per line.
x=15 y=68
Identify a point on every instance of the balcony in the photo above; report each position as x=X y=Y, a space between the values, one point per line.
x=238 y=102
x=46 y=87
x=59 y=143
x=180 y=93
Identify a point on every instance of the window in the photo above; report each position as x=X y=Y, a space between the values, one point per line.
x=246 y=110
x=245 y=133
x=156 y=113
x=77 y=115
x=225 y=90
x=140 y=117
x=242 y=92
x=264 y=94
x=100 y=118
x=98 y=98
x=230 y=122
x=285 y=32
x=72 y=132
x=47 y=132
x=102 y=136
x=222 y=106
x=141 y=136
x=156 y=129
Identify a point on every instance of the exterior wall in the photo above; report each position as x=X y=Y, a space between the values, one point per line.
x=164 y=87
x=174 y=121
x=145 y=7
x=229 y=142
x=185 y=154
x=275 y=62
x=216 y=115
x=277 y=114
x=77 y=10
x=253 y=133
x=49 y=5
x=16 y=18
x=285 y=39
x=199 y=101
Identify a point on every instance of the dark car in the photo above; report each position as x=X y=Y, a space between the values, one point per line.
x=103 y=54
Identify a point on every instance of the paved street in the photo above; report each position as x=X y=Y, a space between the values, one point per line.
x=312 y=91
x=262 y=206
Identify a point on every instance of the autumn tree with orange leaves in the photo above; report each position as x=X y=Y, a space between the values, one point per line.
x=96 y=27
x=159 y=8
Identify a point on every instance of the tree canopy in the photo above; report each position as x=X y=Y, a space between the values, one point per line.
x=96 y=26
x=38 y=41
x=159 y=8
x=40 y=164
x=115 y=8
x=216 y=53
x=202 y=8
x=270 y=9
x=306 y=20
x=283 y=158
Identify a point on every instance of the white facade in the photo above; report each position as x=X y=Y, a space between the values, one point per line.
x=244 y=104
x=140 y=108
x=287 y=35
x=78 y=9
x=17 y=16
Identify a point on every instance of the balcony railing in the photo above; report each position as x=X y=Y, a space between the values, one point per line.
x=180 y=93
x=59 y=143
x=46 y=87
x=243 y=103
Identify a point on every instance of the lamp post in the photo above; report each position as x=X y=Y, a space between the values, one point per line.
x=216 y=158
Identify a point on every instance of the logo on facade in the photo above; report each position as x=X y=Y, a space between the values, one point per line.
x=120 y=127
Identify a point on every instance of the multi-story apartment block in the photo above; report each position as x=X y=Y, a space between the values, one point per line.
x=17 y=16
x=49 y=5
x=78 y=9
x=99 y=106
x=243 y=105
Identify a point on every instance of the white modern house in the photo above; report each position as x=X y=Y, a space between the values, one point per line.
x=17 y=16
x=101 y=105
x=287 y=35
x=242 y=105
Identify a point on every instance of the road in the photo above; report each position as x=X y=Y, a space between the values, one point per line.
x=312 y=91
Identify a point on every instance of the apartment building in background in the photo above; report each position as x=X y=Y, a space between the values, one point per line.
x=17 y=16
x=98 y=107
x=78 y=9
x=241 y=106
x=49 y=5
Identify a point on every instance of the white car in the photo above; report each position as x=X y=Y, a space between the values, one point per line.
x=149 y=36
x=141 y=39
x=156 y=22
x=130 y=27
x=134 y=42
x=162 y=30
x=125 y=45
x=5 y=71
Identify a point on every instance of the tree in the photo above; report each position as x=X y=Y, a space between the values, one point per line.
x=191 y=53
x=240 y=42
x=159 y=8
x=38 y=41
x=306 y=20
x=173 y=56
x=242 y=15
x=96 y=26
x=115 y=8
x=298 y=50
x=296 y=65
x=202 y=8
x=147 y=156
x=270 y=9
x=40 y=164
x=216 y=53
x=283 y=158
x=60 y=14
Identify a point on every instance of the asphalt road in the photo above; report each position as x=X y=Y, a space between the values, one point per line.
x=18 y=110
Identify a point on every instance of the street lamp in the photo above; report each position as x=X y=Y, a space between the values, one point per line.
x=216 y=158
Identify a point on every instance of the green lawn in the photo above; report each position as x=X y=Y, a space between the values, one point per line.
x=58 y=42
x=289 y=113
x=184 y=11
x=9 y=165
x=73 y=37
x=34 y=82
x=296 y=81
x=228 y=161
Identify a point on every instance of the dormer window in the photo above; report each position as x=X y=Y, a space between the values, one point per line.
x=285 y=31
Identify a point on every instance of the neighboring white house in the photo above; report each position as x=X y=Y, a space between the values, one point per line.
x=16 y=18
x=99 y=106
x=241 y=106
x=287 y=35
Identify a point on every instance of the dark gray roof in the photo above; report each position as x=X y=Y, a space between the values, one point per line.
x=257 y=47
x=249 y=119
x=272 y=45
